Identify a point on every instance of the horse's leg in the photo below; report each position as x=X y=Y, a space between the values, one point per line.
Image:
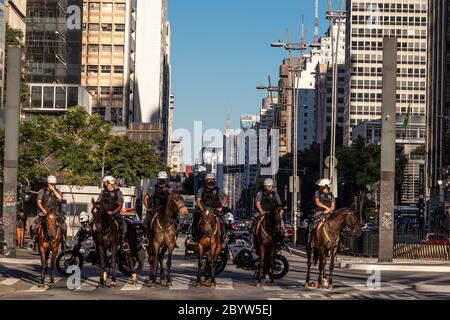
x=103 y=276
x=270 y=266
x=43 y=254
x=199 y=269
x=333 y=257
x=208 y=268
x=113 y=263
x=154 y=264
x=262 y=256
x=320 y=266
x=161 y=255
x=308 y=255
x=52 y=264
x=169 y=262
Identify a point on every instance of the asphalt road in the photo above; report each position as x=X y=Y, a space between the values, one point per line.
x=20 y=282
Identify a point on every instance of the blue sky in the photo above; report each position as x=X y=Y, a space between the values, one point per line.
x=221 y=52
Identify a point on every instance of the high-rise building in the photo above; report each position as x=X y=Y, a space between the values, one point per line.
x=366 y=24
x=2 y=52
x=306 y=97
x=324 y=85
x=53 y=55
x=438 y=128
x=15 y=14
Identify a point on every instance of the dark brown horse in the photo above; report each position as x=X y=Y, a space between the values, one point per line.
x=266 y=232
x=327 y=239
x=161 y=233
x=106 y=236
x=49 y=240
x=209 y=229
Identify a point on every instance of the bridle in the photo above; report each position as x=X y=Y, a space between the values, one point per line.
x=44 y=230
x=271 y=227
x=171 y=222
x=336 y=234
x=204 y=220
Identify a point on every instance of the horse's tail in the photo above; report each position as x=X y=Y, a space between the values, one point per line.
x=315 y=256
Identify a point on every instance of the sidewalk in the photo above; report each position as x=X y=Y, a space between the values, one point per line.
x=401 y=265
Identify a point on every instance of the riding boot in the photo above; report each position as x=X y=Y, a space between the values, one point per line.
x=223 y=231
x=123 y=244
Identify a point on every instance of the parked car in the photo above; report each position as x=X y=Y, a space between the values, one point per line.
x=436 y=239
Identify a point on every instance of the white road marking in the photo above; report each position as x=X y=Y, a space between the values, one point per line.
x=189 y=265
x=89 y=285
x=271 y=288
x=436 y=288
x=36 y=288
x=224 y=283
x=10 y=281
x=130 y=287
x=180 y=283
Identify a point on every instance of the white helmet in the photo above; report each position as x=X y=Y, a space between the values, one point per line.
x=109 y=179
x=268 y=182
x=323 y=182
x=210 y=176
x=51 y=179
x=162 y=175
x=84 y=217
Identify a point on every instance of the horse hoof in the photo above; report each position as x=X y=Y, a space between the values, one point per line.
x=113 y=285
x=311 y=285
x=147 y=281
x=258 y=284
x=163 y=282
x=208 y=283
x=197 y=284
x=52 y=285
x=41 y=285
x=213 y=284
x=169 y=284
x=152 y=284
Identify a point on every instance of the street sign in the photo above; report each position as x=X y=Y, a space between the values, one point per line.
x=327 y=161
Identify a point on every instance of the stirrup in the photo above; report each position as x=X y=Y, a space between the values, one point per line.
x=125 y=247
x=145 y=242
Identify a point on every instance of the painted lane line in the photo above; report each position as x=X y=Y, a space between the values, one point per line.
x=436 y=288
x=10 y=281
x=180 y=283
x=224 y=284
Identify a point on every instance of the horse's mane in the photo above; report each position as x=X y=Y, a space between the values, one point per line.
x=338 y=212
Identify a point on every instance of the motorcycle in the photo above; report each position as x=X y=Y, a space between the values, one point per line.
x=84 y=249
x=243 y=256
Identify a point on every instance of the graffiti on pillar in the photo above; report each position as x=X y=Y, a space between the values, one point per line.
x=386 y=220
x=9 y=198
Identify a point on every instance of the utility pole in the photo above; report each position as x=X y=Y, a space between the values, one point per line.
x=387 y=174
x=11 y=153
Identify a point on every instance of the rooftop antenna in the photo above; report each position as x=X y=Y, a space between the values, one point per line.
x=228 y=120
x=316 y=23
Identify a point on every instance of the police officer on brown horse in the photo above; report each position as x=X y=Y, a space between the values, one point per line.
x=113 y=197
x=210 y=196
x=325 y=205
x=49 y=198
x=266 y=201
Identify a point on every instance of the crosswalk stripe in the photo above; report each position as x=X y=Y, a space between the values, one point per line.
x=181 y=283
x=89 y=285
x=224 y=284
x=10 y=281
x=190 y=265
x=36 y=288
x=130 y=287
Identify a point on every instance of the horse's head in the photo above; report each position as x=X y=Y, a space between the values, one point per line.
x=51 y=222
x=352 y=221
x=99 y=214
x=275 y=217
x=177 y=205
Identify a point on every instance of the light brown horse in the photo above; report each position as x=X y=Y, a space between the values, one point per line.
x=266 y=232
x=49 y=240
x=162 y=237
x=209 y=229
x=327 y=239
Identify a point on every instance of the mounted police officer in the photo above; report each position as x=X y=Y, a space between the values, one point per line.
x=158 y=199
x=325 y=205
x=266 y=201
x=47 y=199
x=210 y=196
x=114 y=198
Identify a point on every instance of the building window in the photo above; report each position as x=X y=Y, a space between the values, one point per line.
x=92 y=69
x=120 y=27
x=118 y=49
x=107 y=27
x=118 y=69
x=117 y=90
x=105 y=90
x=94 y=6
x=120 y=6
x=106 y=69
x=107 y=6
x=93 y=48
x=94 y=27
x=92 y=90
x=106 y=48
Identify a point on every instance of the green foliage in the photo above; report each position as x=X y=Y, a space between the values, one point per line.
x=75 y=146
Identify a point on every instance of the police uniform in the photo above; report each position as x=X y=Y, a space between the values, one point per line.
x=325 y=198
x=111 y=200
x=211 y=198
x=269 y=201
x=49 y=201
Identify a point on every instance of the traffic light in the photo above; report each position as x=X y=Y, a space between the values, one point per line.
x=421 y=205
